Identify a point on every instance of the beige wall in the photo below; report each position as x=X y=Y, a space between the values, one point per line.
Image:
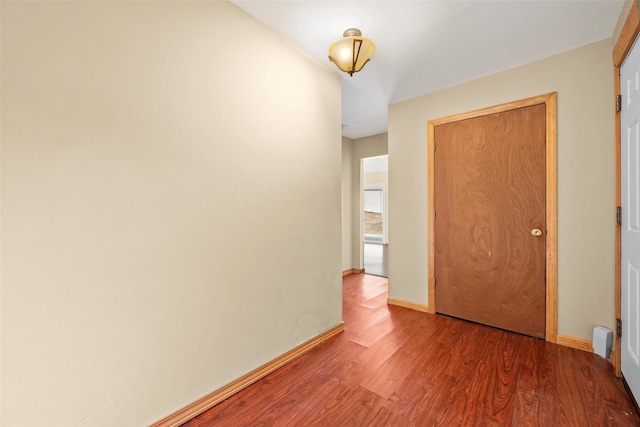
x=347 y=234
x=583 y=80
x=156 y=202
x=370 y=146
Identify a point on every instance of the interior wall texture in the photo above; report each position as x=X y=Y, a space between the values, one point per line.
x=583 y=80
x=370 y=146
x=171 y=176
x=347 y=243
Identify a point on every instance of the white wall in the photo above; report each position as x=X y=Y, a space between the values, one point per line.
x=583 y=79
x=347 y=234
x=370 y=146
x=375 y=177
x=161 y=165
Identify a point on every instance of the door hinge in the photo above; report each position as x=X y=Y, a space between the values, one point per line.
x=619 y=215
x=619 y=327
x=435 y=282
x=434 y=145
x=618 y=103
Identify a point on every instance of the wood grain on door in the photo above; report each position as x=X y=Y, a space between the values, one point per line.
x=490 y=219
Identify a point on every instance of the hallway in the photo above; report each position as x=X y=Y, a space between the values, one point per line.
x=398 y=367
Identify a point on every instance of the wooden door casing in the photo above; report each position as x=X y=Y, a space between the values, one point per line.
x=548 y=222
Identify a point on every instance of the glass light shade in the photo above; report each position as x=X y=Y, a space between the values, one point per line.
x=351 y=53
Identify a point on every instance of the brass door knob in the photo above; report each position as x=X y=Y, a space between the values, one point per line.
x=536 y=232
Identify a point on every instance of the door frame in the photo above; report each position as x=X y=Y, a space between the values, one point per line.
x=551 y=259
x=621 y=49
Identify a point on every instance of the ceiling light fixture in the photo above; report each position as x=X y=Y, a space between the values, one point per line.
x=351 y=53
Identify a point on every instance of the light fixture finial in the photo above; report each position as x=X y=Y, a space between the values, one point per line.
x=352 y=32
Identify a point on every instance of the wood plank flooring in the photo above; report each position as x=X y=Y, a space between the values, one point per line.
x=398 y=367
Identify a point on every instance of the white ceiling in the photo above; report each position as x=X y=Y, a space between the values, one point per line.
x=424 y=46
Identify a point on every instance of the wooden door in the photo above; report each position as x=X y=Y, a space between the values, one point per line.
x=630 y=227
x=489 y=195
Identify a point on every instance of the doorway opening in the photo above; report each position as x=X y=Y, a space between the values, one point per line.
x=374 y=215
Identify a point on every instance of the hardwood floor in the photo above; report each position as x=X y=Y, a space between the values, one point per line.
x=398 y=367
